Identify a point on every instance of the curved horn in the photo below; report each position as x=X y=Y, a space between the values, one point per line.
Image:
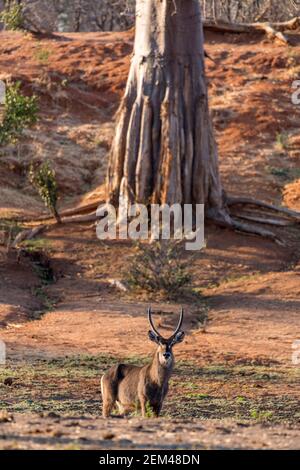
x=151 y=322
x=179 y=323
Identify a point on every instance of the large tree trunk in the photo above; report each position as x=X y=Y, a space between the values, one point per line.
x=164 y=149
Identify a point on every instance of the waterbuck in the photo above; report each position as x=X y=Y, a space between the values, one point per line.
x=132 y=387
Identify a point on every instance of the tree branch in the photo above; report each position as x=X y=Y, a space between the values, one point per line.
x=272 y=30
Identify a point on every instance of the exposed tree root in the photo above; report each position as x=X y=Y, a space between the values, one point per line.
x=243 y=201
x=254 y=230
x=230 y=223
x=262 y=220
x=288 y=218
x=251 y=229
x=225 y=219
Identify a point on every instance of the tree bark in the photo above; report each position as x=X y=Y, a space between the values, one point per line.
x=164 y=149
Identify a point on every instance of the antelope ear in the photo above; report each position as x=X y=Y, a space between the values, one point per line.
x=179 y=337
x=153 y=337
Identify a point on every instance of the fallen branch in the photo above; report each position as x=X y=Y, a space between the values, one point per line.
x=290 y=25
x=80 y=219
x=73 y=211
x=28 y=234
x=272 y=30
x=273 y=34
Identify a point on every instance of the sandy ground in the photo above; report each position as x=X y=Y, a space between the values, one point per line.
x=34 y=432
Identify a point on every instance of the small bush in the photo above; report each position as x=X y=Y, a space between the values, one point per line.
x=12 y=16
x=282 y=141
x=261 y=415
x=159 y=267
x=44 y=181
x=42 y=55
x=37 y=245
x=19 y=112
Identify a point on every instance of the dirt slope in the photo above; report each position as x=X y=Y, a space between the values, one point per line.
x=247 y=299
x=80 y=79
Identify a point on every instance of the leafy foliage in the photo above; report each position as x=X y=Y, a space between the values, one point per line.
x=12 y=16
x=20 y=112
x=44 y=180
x=159 y=267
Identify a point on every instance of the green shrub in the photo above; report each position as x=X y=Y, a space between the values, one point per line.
x=159 y=267
x=12 y=16
x=42 y=55
x=282 y=141
x=19 y=112
x=44 y=181
x=261 y=415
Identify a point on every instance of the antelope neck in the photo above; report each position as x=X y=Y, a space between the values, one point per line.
x=158 y=373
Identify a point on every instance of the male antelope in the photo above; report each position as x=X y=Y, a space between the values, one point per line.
x=129 y=386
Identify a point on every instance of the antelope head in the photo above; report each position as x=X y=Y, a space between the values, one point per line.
x=165 y=346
